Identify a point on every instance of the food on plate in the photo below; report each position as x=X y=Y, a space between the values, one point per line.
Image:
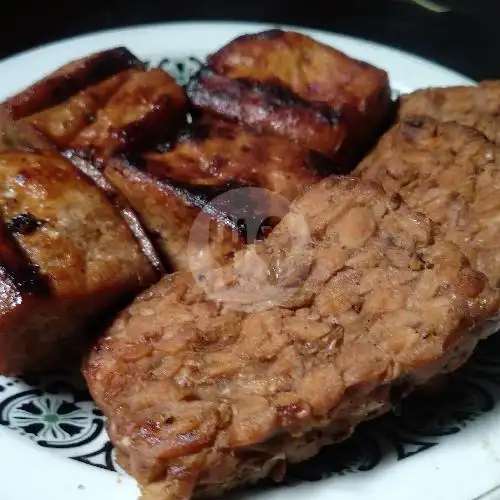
x=285 y=325
x=206 y=170
x=68 y=258
x=17 y=135
x=61 y=123
x=69 y=80
x=149 y=107
x=451 y=173
x=131 y=109
x=288 y=84
x=133 y=128
x=350 y=300
x=476 y=106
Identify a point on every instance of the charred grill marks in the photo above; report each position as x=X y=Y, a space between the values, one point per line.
x=69 y=80
x=25 y=223
x=271 y=94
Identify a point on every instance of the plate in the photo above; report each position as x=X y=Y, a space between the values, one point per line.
x=448 y=447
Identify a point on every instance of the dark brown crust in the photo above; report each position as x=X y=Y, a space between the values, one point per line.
x=76 y=260
x=211 y=385
x=70 y=79
x=130 y=110
x=22 y=135
x=62 y=123
x=149 y=107
x=169 y=210
x=55 y=299
x=170 y=189
x=17 y=270
x=342 y=127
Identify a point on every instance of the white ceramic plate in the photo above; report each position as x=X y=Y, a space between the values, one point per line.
x=53 y=445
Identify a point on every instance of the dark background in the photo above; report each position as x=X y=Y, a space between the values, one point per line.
x=465 y=38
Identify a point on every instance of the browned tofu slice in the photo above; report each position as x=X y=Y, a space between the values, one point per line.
x=168 y=189
x=288 y=84
x=60 y=124
x=71 y=257
x=149 y=107
x=69 y=80
x=131 y=109
x=476 y=106
x=19 y=135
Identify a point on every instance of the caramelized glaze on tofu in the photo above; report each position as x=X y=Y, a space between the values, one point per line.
x=286 y=83
x=71 y=257
x=60 y=124
x=169 y=189
x=128 y=110
x=70 y=79
x=149 y=107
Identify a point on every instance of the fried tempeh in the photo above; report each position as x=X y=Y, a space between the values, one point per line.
x=451 y=173
x=211 y=385
x=288 y=84
x=476 y=106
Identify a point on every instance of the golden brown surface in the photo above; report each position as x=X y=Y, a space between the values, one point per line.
x=212 y=385
x=19 y=135
x=82 y=249
x=474 y=106
x=168 y=189
x=69 y=80
x=450 y=173
x=288 y=84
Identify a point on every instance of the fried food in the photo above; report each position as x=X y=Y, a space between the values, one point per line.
x=214 y=384
x=213 y=160
x=287 y=84
x=475 y=106
x=451 y=173
x=68 y=80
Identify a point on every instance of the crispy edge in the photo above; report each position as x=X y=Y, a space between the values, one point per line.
x=70 y=79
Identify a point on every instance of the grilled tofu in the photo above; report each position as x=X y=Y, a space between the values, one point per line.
x=288 y=84
x=60 y=124
x=69 y=80
x=19 y=135
x=68 y=256
x=149 y=107
x=476 y=106
x=131 y=109
x=202 y=172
